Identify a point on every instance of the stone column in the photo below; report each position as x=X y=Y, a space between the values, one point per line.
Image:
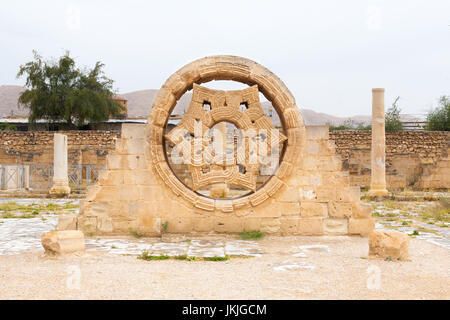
x=60 y=176
x=378 y=177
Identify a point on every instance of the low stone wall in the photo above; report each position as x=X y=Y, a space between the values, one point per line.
x=84 y=147
x=418 y=159
x=414 y=158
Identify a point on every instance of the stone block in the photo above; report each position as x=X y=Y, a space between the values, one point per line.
x=270 y=225
x=310 y=209
x=393 y=245
x=149 y=225
x=339 y=209
x=310 y=226
x=107 y=193
x=135 y=146
x=63 y=242
x=67 y=223
x=362 y=210
x=202 y=224
x=178 y=224
x=114 y=162
x=104 y=224
x=133 y=130
x=317 y=132
x=87 y=224
x=252 y=224
x=228 y=224
x=289 y=226
x=362 y=227
x=288 y=194
x=335 y=226
x=308 y=194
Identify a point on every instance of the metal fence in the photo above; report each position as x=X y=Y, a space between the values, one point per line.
x=40 y=176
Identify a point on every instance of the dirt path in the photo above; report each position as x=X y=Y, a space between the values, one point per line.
x=336 y=269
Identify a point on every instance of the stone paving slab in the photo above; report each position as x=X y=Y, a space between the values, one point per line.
x=19 y=235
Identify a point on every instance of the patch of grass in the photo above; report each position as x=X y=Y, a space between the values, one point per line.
x=165 y=225
x=391 y=204
x=11 y=206
x=391 y=214
x=216 y=258
x=251 y=235
x=415 y=233
x=22 y=211
x=422 y=229
x=363 y=258
x=113 y=247
x=148 y=257
x=10 y=215
x=70 y=205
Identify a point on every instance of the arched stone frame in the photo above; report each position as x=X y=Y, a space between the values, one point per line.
x=225 y=68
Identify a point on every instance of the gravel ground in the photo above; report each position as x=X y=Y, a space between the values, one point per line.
x=336 y=268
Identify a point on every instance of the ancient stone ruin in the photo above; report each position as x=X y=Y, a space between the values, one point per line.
x=306 y=192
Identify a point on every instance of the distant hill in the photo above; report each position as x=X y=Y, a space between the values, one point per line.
x=8 y=102
x=140 y=102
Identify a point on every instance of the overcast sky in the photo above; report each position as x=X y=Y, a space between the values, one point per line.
x=329 y=53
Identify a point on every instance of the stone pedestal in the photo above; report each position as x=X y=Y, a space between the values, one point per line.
x=63 y=242
x=378 y=177
x=392 y=245
x=60 y=176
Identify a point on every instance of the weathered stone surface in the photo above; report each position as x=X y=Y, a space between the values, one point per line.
x=335 y=226
x=362 y=227
x=63 y=242
x=362 y=210
x=310 y=226
x=313 y=209
x=67 y=223
x=409 y=155
x=393 y=245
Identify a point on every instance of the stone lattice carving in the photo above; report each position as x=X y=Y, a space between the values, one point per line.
x=225 y=68
x=240 y=107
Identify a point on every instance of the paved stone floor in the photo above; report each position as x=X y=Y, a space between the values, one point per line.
x=23 y=234
x=426 y=220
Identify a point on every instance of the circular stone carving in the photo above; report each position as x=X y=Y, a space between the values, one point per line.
x=225 y=68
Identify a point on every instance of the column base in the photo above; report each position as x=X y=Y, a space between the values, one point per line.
x=378 y=191
x=59 y=190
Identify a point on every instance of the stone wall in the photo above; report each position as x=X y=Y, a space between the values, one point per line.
x=84 y=147
x=418 y=159
x=311 y=197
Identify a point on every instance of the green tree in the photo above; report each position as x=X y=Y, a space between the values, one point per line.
x=392 y=118
x=58 y=90
x=438 y=119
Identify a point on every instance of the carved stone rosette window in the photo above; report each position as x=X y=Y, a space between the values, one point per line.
x=242 y=109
